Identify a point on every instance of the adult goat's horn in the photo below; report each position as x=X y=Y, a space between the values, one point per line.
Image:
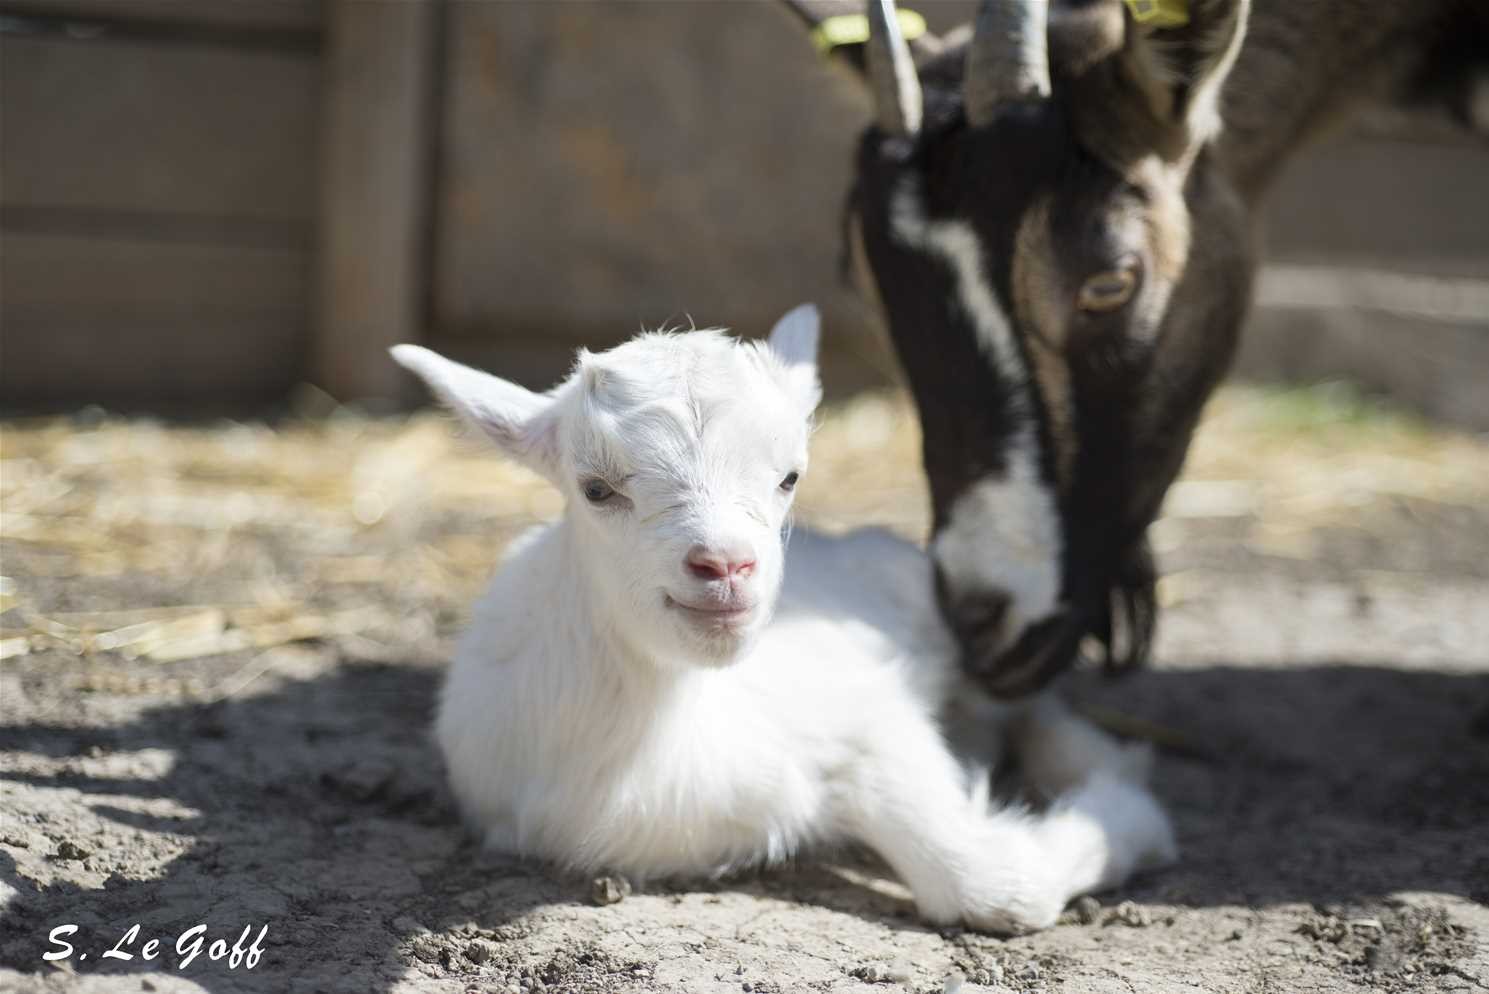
x=1007 y=59
x=896 y=88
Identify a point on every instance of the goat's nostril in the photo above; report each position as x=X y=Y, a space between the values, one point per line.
x=710 y=564
x=707 y=570
x=706 y=565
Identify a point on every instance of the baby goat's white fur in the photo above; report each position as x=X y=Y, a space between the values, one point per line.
x=639 y=692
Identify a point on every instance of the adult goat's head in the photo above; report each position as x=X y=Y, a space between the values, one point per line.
x=1063 y=269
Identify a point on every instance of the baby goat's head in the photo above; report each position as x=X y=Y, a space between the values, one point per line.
x=677 y=455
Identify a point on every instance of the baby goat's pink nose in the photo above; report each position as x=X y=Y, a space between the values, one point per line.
x=721 y=563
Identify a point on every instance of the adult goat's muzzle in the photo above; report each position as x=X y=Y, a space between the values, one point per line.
x=1113 y=616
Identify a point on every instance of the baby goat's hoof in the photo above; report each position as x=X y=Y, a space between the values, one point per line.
x=1004 y=922
x=609 y=890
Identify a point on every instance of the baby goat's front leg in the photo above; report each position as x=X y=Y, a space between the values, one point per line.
x=1000 y=870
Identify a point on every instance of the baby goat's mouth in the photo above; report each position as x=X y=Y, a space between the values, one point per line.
x=726 y=615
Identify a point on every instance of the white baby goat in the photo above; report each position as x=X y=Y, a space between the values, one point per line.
x=638 y=691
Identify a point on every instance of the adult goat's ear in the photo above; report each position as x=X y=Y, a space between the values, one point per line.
x=794 y=341
x=1178 y=56
x=520 y=422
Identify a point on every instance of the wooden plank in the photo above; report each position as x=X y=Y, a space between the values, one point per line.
x=1433 y=367
x=606 y=166
x=172 y=129
x=1423 y=341
x=374 y=195
x=158 y=325
x=275 y=15
x=1377 y=256
x=1417 y=206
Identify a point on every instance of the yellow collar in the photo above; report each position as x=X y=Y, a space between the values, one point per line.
x=1159 y=13
x=853 y=29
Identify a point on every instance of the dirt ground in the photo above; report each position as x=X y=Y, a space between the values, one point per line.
x=221 y=646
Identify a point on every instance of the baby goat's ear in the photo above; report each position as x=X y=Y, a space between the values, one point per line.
x=520 y=422
x=794 y=341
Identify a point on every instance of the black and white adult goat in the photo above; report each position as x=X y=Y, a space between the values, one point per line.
x=1054 y=213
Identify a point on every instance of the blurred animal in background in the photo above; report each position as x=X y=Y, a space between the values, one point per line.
x=1054 y=211
x=660 y=684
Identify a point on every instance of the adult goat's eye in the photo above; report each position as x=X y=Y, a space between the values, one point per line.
x=1107 y=291
x=789 y=483
x=597 y=491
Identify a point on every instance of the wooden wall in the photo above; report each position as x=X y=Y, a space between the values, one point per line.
x=158 y=193
x=206 y=202
x=596 y=180
x=1378 y=269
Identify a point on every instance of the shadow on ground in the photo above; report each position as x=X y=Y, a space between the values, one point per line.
x=317 y=809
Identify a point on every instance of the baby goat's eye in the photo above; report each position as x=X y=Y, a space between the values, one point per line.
x=789 y=483
x=597 y=491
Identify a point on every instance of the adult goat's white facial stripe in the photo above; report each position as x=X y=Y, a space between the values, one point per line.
x=956 y=245
x=1003 y=533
